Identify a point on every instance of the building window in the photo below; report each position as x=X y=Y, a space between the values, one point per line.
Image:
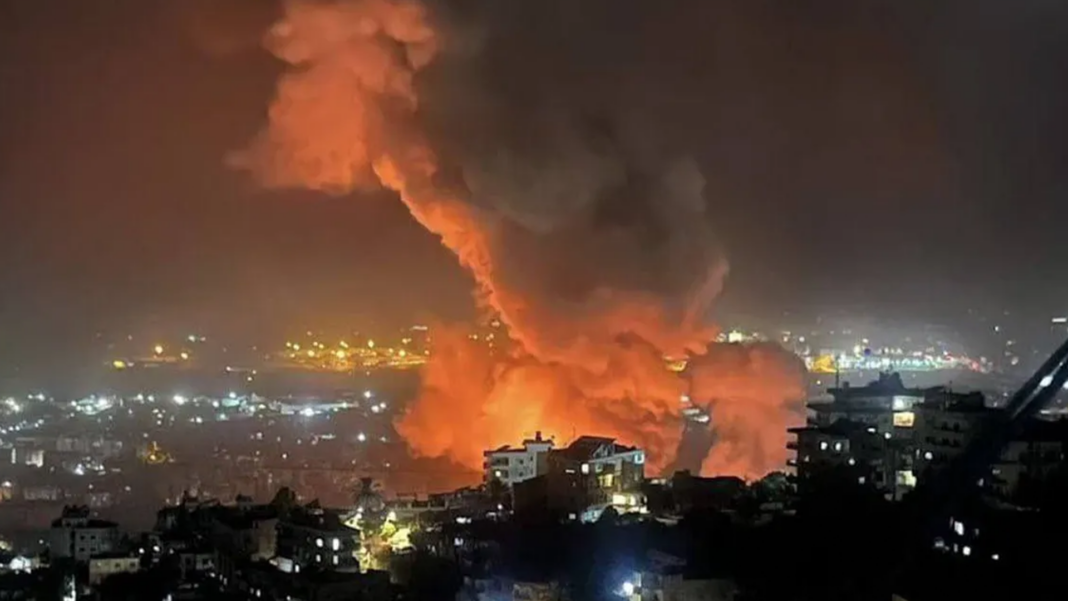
x=318 y=558
x=904 y=419
x=837 y=446
x=585 y=468
x=319 y=542
x=335 y=544
x=336 y=560
x=823 y=445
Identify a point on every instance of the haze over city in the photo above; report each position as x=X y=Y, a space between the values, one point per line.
x=412 y=234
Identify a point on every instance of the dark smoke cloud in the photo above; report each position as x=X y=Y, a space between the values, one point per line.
x=598 y=123
x=562 y=151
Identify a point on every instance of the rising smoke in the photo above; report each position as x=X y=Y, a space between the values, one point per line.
x=562 y=182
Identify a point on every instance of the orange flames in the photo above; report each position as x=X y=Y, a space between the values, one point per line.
x=344 y=118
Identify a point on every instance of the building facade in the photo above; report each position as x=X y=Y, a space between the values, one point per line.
x=312 y=538
x=885 y=404
x=76 y=535
x=510 y=465
x=109 y=564
x=945 y=423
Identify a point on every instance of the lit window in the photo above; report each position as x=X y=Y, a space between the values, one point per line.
x=837 y=446
x=585 y=468
x=958 y=527
x=904 y=419
x=995 y=557
x=852 y=461
x=319 y=542
x=861 y=480
x=335 y=544
x=823 y=445
x=336 y=560
x=318 y=557
x=966 y=550
x=928 y=455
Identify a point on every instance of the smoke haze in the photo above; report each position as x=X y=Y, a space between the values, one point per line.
x=569 y=195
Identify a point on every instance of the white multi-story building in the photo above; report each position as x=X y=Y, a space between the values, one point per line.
x=510 y=465
x=75 y=535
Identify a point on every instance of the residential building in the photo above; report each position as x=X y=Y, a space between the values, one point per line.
x=856 y=448
x=511 y=464
x=242 y=531
x=869 y=429
x=589 y=475
x=312 y=538
x=945 y=423
x=75 y=535
x=107 y=564
x=608 y=466
x=885 y=404
x=556 y=492
x=1028 y=461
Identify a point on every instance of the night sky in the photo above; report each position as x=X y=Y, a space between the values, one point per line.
x=887 y=157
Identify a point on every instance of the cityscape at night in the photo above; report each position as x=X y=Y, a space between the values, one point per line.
x=556 y=300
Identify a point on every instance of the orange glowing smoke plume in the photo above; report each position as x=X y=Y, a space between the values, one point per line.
x=344 y=118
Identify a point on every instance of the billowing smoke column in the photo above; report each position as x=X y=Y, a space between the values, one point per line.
x=584 y=234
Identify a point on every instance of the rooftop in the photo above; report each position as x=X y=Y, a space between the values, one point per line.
x=315 y=517
x=241 y=518
x=537 y=440
x=81 y=514
x=592 y=447
x=957 y=402
x=889 y=383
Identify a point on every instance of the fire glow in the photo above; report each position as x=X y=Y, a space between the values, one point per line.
x=588 y=346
